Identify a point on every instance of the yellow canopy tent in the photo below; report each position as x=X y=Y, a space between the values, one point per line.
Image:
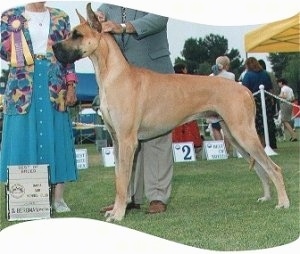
x=279 y=36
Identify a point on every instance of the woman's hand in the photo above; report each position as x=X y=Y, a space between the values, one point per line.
x=71 y=94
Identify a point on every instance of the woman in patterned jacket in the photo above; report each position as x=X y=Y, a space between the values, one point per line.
x=37 y=127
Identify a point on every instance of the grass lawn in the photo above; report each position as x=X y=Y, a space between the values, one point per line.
x=212 y=206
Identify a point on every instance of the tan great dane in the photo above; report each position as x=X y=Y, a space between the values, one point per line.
x=139 y=104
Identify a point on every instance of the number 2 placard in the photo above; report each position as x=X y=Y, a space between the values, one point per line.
x=184 y=151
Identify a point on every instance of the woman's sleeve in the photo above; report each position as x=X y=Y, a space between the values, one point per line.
x=70 y=74
x=149 y=24
x=5 y=39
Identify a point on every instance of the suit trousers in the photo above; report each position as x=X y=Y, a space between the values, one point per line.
x=152 y=170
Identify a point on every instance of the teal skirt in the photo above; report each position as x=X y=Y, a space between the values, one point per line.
x=42 y=136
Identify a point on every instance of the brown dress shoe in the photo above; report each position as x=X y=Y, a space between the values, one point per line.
x=156 y=206
x=129 y=206
x=106 y=208
x=133 y=205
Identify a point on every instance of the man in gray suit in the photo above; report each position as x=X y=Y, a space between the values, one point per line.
x=143 y=40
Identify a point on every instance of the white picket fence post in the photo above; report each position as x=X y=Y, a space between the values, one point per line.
x=269 y=151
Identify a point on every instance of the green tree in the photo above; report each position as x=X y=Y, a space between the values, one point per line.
x=278 y=62
x=194 y=51
x=200 y=54
x=216 y=46
x=286 y=65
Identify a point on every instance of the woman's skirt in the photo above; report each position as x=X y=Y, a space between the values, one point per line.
x=42 y=136
x=269 y=115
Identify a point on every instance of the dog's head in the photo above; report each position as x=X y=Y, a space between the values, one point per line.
x=82 y=41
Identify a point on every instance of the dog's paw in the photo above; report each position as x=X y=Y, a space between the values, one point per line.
x=112 y=216
x=263 y=199
x=283 y=205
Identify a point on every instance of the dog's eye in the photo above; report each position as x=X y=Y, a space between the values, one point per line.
x=76 y=35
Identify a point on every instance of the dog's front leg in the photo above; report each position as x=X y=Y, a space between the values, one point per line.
x=123 y=171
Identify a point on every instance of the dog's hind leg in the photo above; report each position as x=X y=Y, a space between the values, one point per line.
x=248 y=140
x=263 y=176
x=125 y=155
x=275 y=174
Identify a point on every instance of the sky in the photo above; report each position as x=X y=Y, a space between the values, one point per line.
x=180 y=30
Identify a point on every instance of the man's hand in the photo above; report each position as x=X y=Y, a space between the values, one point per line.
x=109 y=26
x=101 y=16
x=112 y=27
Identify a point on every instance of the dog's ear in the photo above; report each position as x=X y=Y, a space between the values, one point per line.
x=81 y=19
x=92 y=18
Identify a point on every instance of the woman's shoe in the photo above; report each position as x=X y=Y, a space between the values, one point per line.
x=61 y=207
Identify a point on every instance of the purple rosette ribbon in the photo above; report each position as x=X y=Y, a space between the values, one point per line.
x=19 y=46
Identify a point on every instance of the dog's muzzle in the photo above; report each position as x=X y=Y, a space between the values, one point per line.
x=59 y=52
x=64 y=55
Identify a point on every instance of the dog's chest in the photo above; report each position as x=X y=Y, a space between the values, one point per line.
x=104 y=107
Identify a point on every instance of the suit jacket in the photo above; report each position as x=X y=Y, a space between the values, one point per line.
x=147 y=48
x=18 y=92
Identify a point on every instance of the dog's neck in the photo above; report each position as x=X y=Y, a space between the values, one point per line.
x=106 y=57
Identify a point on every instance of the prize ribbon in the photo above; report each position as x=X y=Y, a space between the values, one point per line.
x=19 y=46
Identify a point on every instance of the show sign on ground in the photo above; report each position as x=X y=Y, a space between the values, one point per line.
x=183 y=152
x=214 y=150
x=28 y=192
x=82 y=158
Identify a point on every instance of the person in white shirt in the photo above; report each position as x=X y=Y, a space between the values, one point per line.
x=220 y=69
x=286 y=109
